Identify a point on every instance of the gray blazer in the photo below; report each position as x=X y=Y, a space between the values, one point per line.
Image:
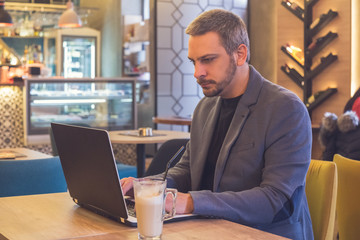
x=261 y=169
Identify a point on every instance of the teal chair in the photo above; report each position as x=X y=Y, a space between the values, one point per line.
x=125 y=170
x=26 y=177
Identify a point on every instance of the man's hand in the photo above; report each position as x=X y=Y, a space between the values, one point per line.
x=184 y=203
x=127 y=186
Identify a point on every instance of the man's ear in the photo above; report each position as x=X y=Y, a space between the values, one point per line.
x=241 y=54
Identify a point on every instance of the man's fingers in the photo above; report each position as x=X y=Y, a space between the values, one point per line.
x=126 y=184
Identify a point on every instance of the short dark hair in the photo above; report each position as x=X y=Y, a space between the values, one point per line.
x=230 y=27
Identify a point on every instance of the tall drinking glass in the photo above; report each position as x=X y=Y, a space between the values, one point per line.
x=150 y=196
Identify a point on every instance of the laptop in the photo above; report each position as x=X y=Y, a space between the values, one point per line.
x=89 y=166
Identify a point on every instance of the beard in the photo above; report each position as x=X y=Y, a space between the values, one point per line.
x=216 y=88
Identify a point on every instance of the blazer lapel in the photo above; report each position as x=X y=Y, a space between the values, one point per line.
x=242 y=111
x=234 y=130
x=197 y=165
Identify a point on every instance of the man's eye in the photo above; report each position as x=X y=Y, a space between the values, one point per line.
x=193 y=63
x=207 y=60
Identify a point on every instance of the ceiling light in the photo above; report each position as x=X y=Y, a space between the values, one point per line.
x=69 y=18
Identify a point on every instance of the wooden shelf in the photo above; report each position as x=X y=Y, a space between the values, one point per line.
x=321 y=44
x=22 y=37
x=8 y=65
x=320 y=97
x=298 y=13
x=293 y=75
x=325 y=62
x=323 y=21
x=311 y=49
x=291 y=56
x=18 y=84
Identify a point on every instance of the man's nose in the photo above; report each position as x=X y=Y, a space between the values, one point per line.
x=199 y=71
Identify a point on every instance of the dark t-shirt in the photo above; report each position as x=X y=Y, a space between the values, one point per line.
x=227 y=110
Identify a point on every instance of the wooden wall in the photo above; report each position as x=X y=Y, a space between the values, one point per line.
x=262 y=33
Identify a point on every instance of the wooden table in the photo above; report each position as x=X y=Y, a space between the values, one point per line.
x=55 y=216
x=25 y=154
x=160 y=136
x=174 y=120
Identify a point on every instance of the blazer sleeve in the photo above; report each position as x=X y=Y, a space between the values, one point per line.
x=285 y=153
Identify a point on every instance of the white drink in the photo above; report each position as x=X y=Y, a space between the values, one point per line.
x=149 y=211
x=149 y=206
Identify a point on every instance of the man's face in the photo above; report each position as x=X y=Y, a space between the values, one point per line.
x=214 y=68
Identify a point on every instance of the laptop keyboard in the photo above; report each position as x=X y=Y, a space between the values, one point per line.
x=130 y=204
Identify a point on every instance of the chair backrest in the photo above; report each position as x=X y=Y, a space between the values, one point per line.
x=348 y=207
x=164 y=154
x=321 y=191
x=125 y=170
x=25 y=177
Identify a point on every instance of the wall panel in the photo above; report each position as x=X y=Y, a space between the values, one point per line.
x=177 y=91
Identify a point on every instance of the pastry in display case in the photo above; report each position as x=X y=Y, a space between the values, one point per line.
x=99 y=103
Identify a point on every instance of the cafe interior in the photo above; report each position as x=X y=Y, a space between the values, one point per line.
x=122 y=66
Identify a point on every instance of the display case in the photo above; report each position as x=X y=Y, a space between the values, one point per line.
x=99 y=103
x=73 y=54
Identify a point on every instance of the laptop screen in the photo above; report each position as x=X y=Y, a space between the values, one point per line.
x=90 y=169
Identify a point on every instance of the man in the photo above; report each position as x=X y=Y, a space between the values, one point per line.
x=250 y=142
